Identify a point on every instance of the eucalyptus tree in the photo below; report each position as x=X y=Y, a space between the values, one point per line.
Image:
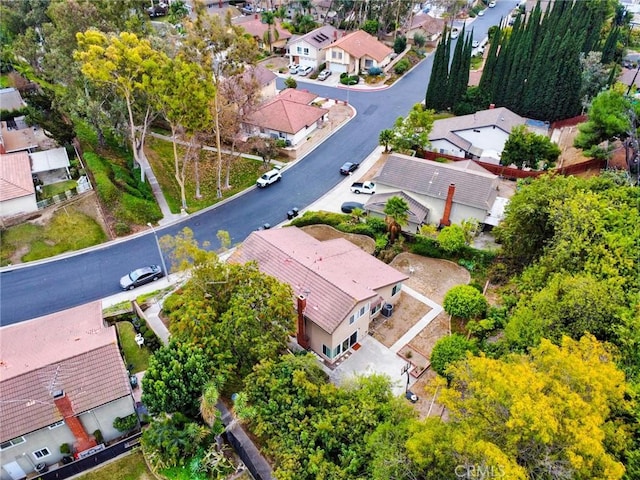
x=223 y=50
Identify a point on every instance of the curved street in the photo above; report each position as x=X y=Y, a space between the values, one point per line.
x=39 y=288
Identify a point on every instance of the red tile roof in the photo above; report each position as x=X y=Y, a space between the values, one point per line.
x=15 y=176
x=285 y=115
x=71 y=351
x=299 y=96
x=359 y=44
x=255 y=28
x=334 y=275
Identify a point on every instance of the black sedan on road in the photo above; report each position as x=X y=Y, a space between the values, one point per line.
x=348 y=167
x=348 y=207
x=141 y=276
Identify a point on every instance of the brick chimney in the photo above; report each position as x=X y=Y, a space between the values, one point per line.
x=335 y=34
x=83 y=441
x=446 y=221
x=301 y=336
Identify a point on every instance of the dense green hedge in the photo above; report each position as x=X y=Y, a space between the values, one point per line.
x=131 y=200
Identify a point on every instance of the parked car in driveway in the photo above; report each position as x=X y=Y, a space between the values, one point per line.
x=324 y=74
x=304 y=71
x=475 y=44
x=348 y=167
x=293 y=68
x=348 y=207
x=272 y=176
x=141 y=276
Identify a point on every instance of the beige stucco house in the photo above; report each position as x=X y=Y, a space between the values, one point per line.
x=338 y=287
x=356 y=52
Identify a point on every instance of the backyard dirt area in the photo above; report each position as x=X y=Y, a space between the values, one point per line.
x=326 y=232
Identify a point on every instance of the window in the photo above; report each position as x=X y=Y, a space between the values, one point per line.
x=362 y=310
x=12 y=443
x=299 y=49
x=326 y=351
x=56 y=425
x=396 y=289
x=336 y=55
x=352 y=319
x=306 y=51
x=43 y=452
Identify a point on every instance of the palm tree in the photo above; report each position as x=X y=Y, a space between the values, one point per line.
x=397 y=215
x=272 y=34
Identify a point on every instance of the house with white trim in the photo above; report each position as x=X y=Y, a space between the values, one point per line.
x=338 y=287
x=307 y=50
x=357 y=52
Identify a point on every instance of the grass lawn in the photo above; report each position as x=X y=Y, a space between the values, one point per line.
x=244 y=173
x=68 y=230
x=4 y=81
x=131 y=467
x=137 y=356
x=49 y=191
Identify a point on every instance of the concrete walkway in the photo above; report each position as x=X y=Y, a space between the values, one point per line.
x=167 y=215
x=419 y=326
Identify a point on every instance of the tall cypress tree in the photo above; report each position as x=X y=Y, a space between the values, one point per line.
x=453 y=87
x=609 y=48
x=490 y=62
x=439 y=73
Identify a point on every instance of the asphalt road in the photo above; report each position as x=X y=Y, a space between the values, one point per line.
x=32 y=290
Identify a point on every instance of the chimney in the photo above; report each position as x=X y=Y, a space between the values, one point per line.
x=63 y=403
x=301 y=336
x=255 y=16
x=492 y=106
x=335 y=34
x=445 y=221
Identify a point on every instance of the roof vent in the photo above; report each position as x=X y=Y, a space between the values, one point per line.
x=58 y=394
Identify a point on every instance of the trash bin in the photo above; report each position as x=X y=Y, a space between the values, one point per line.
x=290 y=215
x=387 y=310
x=295 y=211
x=42 y=468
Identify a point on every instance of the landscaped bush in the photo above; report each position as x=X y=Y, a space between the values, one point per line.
x=126 y=424
x=314 y=218
x=349 y=80
x=402 y=66
x=400 y=44
x=374 y=71
x=427 y=247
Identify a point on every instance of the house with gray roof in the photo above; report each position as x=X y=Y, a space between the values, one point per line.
x=306 y=50
x=61 y=379
x=437 y=193
x=338 y=287
x=479 y=135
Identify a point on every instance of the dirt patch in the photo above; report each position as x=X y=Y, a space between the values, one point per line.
x=325 y=232
x=406 y=312
x=432 y=277
x=569 y=155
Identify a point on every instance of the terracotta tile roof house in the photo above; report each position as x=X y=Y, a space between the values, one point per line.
x=288 y=117
x=61 y=378
x=451 y=192
x=306 y=50
x=429 y=27
x=480 y=134
x=357 y=52
x=17 y=192
x=254 y=27
x=338 y=286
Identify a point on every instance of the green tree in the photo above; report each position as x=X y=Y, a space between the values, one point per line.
x=528 y=149
x=290 y=82
x=175 y=378
x=122 y=63
x=451 y=239
x=569 y=305
x=371 y=27
x=397 y=215
x=608 y=117
x=466 y=302
x=385 y=138
x=412 y=131
x=400 y=44
x=449 y=350
x=177 y=11
x=552 y=414
x=271 y=34
x=172 y=440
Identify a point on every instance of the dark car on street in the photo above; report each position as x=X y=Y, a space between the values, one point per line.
x=348 y=167
x=348 y=207
x=141 y=276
